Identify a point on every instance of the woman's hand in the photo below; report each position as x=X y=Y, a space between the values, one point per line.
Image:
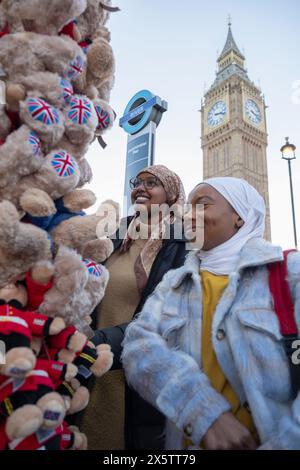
x=227 y=433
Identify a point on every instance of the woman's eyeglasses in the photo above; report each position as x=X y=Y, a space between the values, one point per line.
x=148 y=183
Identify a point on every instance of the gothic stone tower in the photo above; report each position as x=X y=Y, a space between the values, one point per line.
x=234 y=133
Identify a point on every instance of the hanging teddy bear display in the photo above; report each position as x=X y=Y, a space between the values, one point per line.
x=57 y=67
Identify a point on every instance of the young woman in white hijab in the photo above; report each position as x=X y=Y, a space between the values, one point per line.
x=206 y=349
x=243 y=201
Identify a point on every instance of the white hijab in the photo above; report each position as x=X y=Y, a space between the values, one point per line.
x=250 y=206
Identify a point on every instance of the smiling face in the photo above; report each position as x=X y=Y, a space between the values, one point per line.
x=141 y=195
x=221 y=221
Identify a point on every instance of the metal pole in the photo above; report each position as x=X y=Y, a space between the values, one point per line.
x=293 y=207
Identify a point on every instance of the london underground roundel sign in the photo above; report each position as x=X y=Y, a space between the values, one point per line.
x=143 y=107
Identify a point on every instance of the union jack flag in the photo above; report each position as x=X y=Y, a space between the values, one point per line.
x=80 y=110
x=103 y=118
x=35 y=143
x=67 y=90
x=93 y=268
x=76 y=67
x=63 y=164
x=40 y=110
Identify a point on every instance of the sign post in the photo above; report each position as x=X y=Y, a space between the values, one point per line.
x=141 y=117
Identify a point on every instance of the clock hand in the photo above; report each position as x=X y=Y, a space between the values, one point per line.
x=253 y=113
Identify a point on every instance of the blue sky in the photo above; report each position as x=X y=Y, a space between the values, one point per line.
x=170 y=47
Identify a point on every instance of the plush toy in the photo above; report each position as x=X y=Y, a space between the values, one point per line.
x=21 y=245
x=32 y=404
x=25 y=156
x=57 y=69
x=92 y=361
x=5 y=122
x=34 y=53
x=55 y=90
x=66 y=207
x=35 y=194
x=43 y=395
x=98 y=76
x=17 y=325
x=81 y=120
x=34 y=56
x=64 y=437
x=77 y=288
x=40 y=16
x=60 y=347
x=95 y=15
x=87 y=235
x=99 y=69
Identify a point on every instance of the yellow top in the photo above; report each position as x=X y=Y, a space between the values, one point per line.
x=213 y=287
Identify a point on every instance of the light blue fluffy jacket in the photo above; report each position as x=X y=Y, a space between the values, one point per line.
x=162 y=350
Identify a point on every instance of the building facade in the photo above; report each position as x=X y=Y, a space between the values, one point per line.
x=234 y=135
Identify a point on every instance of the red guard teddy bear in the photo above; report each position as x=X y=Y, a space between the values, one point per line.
x=17 y=325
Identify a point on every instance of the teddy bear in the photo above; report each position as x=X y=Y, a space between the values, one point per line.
x=21 y=244
x=96 y=14
x=5 y=122
x=64 y=437
x=32 y=403
x=55 y=90
x=41 y=95
x=88 y=235
x=40 y=16
x=34 y=53
x=31 y=406
x=44 y=394
x=38 y=327
x=57 y=71
x=66 y=207
x=78 y=286
x=35 y=193
x=17 y=327
x=40 y=78
x=68 y=345
x=25 y=156
x=97 y=79
x=99 y=70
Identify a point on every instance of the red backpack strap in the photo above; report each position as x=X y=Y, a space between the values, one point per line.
x=284 y=309
x=280 y=290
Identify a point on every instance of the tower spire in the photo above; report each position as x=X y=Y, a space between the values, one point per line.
x=230 y=44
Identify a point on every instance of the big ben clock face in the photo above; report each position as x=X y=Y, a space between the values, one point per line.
x=252 y=111
x=217 y=113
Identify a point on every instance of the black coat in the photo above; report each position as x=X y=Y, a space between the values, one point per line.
x=144 y=425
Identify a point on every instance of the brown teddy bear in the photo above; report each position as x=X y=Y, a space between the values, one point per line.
x=77 y=288
x=21 y=245
x=34 y=53
x=40 y=16
x=25 y=157
x=35 y=193
x=89 y=235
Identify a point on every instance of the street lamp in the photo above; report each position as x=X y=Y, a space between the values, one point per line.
x=288 y=153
